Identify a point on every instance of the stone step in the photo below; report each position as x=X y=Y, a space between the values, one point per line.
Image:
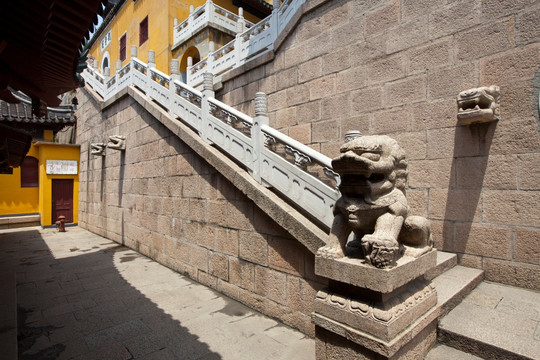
x=445 y=261
x=443 y=352
x=495 y=321
x=18 y=221
x=453 y=285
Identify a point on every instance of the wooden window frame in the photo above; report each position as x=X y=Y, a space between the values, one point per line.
x=30 y=172
x=143 y=31
x=123 y=50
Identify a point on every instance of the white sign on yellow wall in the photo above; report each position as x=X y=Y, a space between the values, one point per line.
x=62 y=167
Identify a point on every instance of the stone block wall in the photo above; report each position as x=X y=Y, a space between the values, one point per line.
x=395 y=67
x=162 y=199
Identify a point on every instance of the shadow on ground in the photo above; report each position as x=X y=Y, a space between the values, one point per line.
x=73 y=303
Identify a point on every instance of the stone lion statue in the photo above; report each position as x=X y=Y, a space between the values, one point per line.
x=371 y=218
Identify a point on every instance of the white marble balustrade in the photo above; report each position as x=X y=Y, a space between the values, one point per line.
x=300 y=173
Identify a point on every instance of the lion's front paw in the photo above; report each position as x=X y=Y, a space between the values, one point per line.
x=380 y=252
x=330 y=252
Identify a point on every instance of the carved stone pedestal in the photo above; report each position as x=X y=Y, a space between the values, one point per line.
x=371 y=313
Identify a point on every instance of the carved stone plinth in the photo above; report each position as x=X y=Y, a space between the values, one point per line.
x=358 y=273
x=379 y=313
x=383 y=317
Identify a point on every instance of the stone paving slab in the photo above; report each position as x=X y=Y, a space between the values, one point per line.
x=442 y=352
x=81 y=296
x=495 y=321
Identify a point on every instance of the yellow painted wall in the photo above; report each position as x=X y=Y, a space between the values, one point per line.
x=161 y=15
x=51 y=151
x=15 y=199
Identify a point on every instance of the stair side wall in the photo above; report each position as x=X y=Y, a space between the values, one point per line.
x=162 y=199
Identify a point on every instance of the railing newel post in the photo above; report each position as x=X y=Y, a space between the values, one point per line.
x=151 y=65
x=207 y=93
x=151 y=59
x=274 y=22
x=175 y=75
x=257 y=136
x=106 y=78
x=189 y=70
x=210 y=58
x=238 y=48
x=240 y=24
x=190 y=17
x=210 y=10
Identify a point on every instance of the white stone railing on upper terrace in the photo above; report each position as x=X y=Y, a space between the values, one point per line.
x=300 y=173
x=208 y=15
x=247 y=45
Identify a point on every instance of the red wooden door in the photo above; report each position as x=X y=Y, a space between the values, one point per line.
x=62 y=199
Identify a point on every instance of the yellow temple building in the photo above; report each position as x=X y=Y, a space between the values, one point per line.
x=155 y=25
x=46 y=184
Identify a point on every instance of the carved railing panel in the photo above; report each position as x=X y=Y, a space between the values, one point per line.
x=124 y=76
x=224 y=59
x=230 y=130
x=158 y=88
x=186 y=104
x=256 y=40
x=299 y=172
x=139 y=77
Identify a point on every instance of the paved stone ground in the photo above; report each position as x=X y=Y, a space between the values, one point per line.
x=81 y=296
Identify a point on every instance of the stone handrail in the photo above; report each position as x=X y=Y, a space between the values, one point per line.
x=300 y=173
x=251 y=43
x=208 y=14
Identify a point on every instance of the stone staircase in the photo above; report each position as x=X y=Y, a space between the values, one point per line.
x=482 y=320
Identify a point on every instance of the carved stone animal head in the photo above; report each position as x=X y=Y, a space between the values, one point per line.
x=117 y=142
x=479 y=105
x=372 y=166
x=97 y=149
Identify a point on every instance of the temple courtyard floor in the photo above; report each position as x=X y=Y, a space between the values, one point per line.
x=77 y=295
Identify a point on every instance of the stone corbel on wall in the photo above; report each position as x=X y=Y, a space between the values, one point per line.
x=117 y=142
x=479 y=105
x=98 y=149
